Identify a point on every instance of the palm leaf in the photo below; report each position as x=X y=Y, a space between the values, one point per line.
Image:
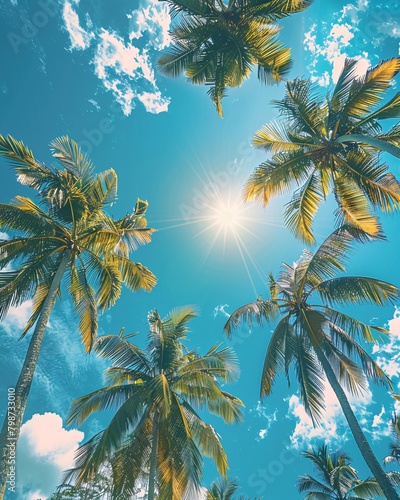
x=301 y=210
x=277 y=354
x=261 y=310
x=356 y=289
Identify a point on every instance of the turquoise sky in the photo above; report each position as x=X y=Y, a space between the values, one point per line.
x=87 y=69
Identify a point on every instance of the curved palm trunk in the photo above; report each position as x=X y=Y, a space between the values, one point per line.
x=25 y=378
x=153 y=458
x=362 y=443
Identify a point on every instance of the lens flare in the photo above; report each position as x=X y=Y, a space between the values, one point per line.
x=223 y=218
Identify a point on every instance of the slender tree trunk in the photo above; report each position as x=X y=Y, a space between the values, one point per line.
x=153 y=458
x=10 y=434
x=362 y=443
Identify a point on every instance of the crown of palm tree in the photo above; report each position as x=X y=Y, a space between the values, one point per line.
x=337 y=480
x=69 y=217
x=218 y=44
x=331 y=143
x=155 y=394
x=306 y=328
x=224 y=489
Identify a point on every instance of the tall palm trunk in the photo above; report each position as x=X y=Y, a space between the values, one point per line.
x=153 y=458
x=362 y=443
x=9 y=437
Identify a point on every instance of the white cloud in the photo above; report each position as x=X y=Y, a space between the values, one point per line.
x=262 y=412
x=335 y=45
x=95 y=104
x=17 y=318
x=154 y=19
x=36 y=495
x=120 y=65
x=353 y=11
x=154 y=102
x=220 y=310
x=4 y=236
x=323 y=80
x=45 y=450
x=377 y=421
x=338 y=62
x=269 y=420
x=333 y=428
x=388 y=354
x=80 y=39
x=125 y=67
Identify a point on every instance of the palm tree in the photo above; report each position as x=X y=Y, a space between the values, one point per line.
x=394 y=445
x=224 y=489
x=319 y=341
x=99 y=488
x=217 y=43
x=66 y=235
x=155 y=394
x=337 y=479
x=331 y=143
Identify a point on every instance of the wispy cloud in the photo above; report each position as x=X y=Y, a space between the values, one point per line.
x=266 y=418
x=124 y=61
x=153 y=20
x=120 y=65
x=79 y=37
x=220 y=310
x=63 y=368
x=45 y=450
x=269 y=420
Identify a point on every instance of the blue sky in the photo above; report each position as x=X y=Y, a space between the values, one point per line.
x=87 y=69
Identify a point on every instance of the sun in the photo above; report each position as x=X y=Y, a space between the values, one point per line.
x=224 y=220
x=226 y=214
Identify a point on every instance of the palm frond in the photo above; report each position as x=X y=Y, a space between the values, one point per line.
x=277 y=175
x=311 y=380
x=278 y=355
x=260 y=311
x=353 y=208
x=366 y=92
x=356 y=289
x=301 y=210
x=70 y=156
x=122 y=353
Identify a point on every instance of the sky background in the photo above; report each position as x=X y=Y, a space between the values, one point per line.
x=88 y=69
